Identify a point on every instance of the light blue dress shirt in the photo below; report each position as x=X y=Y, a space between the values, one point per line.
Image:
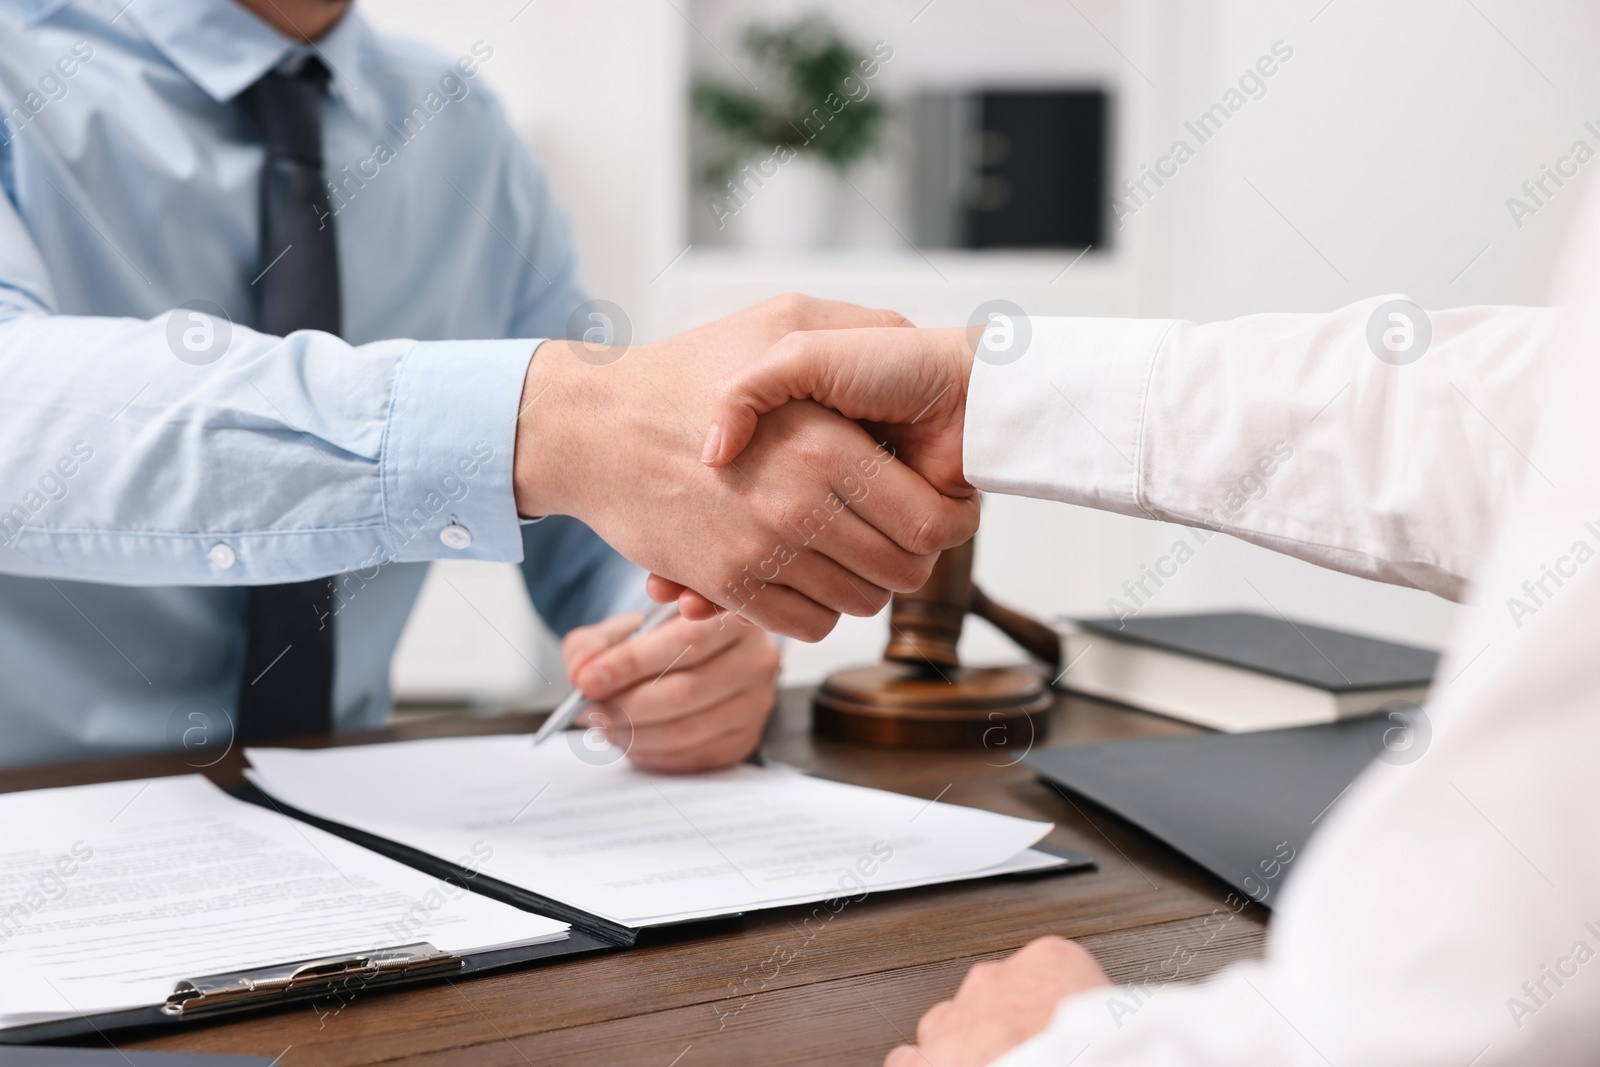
x=153 y=461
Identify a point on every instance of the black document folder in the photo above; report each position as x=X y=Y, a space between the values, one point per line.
x=107 y=1057
x=1240 y=805
x=326 y=985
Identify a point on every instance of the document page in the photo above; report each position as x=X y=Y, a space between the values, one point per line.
x=111 y=894
x=640 y=849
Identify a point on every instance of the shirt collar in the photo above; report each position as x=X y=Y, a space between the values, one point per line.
x=224 y=48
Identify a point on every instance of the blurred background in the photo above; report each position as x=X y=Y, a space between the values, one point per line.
x=1024 y=150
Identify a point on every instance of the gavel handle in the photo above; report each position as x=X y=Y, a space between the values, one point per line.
x=1038 y=639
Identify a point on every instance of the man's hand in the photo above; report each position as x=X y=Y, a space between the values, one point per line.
x=1000 y=1005
x=910 y=385
x=814 y=519
x=688 y=696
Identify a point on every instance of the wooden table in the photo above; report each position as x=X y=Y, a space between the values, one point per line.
x=764 y=990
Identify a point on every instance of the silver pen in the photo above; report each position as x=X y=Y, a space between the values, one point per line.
x=576 y=703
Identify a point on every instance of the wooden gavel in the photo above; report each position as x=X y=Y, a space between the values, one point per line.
x=925 y=626
x=921 y=696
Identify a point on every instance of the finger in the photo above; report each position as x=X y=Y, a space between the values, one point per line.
x=797 y=311
x=692 y=605
x=676 y=644
x=933 y=1020
x=904 y=1056
x=723 y=751
x=777 y=609
x=797 y=368
x=583 y=643
x=662 y=590
x=859 y=547
x=876 y=375
x=910 y=512
x=742 y=712
x=837 y=588
x=751 y=661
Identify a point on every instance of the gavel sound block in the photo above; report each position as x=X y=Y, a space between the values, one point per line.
x=921 y=696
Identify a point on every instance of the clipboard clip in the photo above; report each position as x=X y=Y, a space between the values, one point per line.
x=299 y=981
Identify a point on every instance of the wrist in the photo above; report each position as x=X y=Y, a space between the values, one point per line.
x=959 y=351
x=546 y=440
x=590 y=421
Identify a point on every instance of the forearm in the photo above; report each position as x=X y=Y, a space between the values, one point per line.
x=300 y=457
x=1283 y=430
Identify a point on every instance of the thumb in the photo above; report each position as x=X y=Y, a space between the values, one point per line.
x=798 y=367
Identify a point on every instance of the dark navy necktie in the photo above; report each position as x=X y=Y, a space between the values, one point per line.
x=287 y=686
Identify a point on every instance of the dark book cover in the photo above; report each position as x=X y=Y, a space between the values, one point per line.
x=1331 y=660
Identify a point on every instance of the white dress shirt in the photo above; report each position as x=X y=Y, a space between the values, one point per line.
x=1448 y=909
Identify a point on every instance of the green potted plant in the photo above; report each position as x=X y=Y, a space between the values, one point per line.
x=778 y=154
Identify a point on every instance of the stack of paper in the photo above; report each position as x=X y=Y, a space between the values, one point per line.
x=112 y=894
x=644 y=849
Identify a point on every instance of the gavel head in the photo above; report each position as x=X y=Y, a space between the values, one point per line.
x=926 y=625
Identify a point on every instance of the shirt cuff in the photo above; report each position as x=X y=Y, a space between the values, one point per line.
x=1064 y=420
x=448 y=451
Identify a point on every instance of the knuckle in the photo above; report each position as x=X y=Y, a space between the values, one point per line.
x=788 y=308
x=790 y=512
x=813 y=630
x=789 y=300
x=909 y=572
x=926 y=536
x=873 y=599
x=792 y=343
x=982 y=977
x=1051 y=945
x=622 y=662
x=812 y=448
x=984 y=971
x=917 y=570
x=737 y=747
x=577 y=640
x=933 y=1020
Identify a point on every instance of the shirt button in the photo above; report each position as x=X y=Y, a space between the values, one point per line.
x=456 y=536
x=221 y=556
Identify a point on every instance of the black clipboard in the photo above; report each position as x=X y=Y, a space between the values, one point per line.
x=335 y=980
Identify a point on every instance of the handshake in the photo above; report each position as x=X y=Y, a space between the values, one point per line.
x=788 y=464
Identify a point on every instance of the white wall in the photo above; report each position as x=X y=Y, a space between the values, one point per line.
x=588 y=86
x=1390 y=142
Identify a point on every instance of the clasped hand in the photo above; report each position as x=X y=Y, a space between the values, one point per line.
x=798 y=517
